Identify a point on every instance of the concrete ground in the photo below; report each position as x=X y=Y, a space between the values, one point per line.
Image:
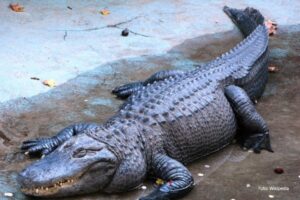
x=85 y=54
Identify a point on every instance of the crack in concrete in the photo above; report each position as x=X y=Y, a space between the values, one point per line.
x=65 y=35
x=117 y=25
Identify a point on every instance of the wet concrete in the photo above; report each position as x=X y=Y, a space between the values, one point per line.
x=88 y=98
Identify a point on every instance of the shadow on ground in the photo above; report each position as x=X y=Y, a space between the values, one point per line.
x=228 y=174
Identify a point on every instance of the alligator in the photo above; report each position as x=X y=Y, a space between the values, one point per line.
x=168 y=121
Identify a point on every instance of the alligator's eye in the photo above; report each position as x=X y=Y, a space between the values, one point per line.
x=79 y=153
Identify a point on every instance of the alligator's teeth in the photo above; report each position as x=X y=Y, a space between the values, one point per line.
x=37 y=190
x=46 y=189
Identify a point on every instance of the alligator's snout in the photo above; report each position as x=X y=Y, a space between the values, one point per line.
x=26 y=177
x=22 y=178
x=70 y=169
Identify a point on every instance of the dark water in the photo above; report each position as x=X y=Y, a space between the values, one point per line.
x=226 y=174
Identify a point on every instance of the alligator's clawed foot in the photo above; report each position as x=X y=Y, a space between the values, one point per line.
x=126 y=90
x=40 y=146
x=257 y=142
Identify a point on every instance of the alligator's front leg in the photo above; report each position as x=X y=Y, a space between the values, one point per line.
x=178 y=179
x=255 y=131
x=46 y=145
x=126 y=90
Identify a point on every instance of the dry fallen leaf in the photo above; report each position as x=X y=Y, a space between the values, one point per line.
x=49 y=83
x=16 y=7
x=272 y=26
x=105 y=12
x=273 y=69
x=159 y=181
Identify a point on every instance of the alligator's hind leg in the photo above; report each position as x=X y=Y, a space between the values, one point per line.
x=255 y=131
x=178 y=179
x=126 y=90
x=46 y=145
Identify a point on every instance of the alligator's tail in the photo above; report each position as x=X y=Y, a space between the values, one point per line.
x=251 y=23
x=246 y=20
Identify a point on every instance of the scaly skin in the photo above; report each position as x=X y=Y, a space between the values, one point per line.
x=169 y=119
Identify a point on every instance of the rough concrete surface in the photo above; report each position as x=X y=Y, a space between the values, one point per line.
x=85 y=54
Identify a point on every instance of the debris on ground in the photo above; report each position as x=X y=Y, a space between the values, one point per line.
x=206 y=166
x=248 y=185
x=105 y=12
x=49 y=83
x=144 y=187
x=35 y=78
x=159 y=181
x=271 y=196
x=16 y=7
x=272 y=26
x=279 y=170
x=8 y=194
x=273 y=69
x=69 y=7
x=125 y=32
x=200 y=174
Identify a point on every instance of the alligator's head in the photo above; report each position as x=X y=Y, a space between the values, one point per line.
x=80 y=165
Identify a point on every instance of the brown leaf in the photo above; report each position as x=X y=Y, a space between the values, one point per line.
x=272 y=26
x=16 y=7
x=105 y=12
x=49 y=83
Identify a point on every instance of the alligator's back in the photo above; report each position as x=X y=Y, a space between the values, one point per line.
x=188 y=116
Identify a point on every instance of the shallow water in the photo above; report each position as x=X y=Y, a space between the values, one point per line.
x=226 y=173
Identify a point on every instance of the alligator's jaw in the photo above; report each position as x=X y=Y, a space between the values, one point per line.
x=49 y=190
